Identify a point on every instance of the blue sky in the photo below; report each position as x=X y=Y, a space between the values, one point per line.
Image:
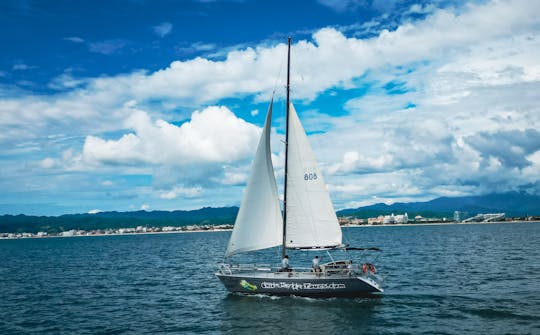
x=127 y=105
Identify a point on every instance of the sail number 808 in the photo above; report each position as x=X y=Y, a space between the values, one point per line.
x=310 y=176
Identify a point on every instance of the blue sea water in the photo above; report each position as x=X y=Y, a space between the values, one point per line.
x=449 y=279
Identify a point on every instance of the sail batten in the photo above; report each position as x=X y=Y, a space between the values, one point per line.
x=259 y=224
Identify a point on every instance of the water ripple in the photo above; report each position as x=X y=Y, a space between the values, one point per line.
x=457 y=279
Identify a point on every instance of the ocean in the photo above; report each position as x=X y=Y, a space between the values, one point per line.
x=440 y=279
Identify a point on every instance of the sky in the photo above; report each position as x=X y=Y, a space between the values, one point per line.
x=158 y=105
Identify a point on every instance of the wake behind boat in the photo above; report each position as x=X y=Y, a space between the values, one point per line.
x=308 y=222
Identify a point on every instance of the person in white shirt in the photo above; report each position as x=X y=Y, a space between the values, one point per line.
x=315 y=264
x=285 y=264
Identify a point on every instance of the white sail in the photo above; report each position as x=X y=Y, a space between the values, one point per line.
x=311 y=219
x=259 y=223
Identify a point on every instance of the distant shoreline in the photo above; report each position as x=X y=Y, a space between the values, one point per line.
x=436 y=224
x=225 y=229
x=119 y=234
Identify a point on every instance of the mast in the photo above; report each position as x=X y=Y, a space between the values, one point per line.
x=284 y=248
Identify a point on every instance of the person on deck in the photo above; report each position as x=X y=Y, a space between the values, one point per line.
x=285 y=267
x=315 y=264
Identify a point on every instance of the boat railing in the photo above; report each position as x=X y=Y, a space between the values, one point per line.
x=226 y=268
x=364 y=270
x=326 y=270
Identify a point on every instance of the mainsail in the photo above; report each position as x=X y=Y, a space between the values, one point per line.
x=311 y=219
x=259 y=223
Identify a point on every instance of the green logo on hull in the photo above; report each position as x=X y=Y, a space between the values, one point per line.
x=248 y=286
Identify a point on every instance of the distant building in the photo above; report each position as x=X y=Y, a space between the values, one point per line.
x=376 y=221
x=401 y=218
x=459 y=216
x=68 y=233
x=489 y=217
x=389 y=219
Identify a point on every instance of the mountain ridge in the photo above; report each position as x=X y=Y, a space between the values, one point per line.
x=514 y=204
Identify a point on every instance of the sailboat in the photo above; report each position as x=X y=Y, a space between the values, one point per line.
x=308 y=222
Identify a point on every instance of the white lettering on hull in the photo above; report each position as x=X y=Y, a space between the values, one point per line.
x=302 y=286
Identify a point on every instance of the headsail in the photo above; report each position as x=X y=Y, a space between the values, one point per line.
x=311 y=219
x=259 y=223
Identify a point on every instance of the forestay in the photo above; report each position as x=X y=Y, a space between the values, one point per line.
x=311 y=219
x=259 y=223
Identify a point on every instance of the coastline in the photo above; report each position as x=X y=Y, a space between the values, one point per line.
x=437 y=224
x=119 y=234
x=230 y=229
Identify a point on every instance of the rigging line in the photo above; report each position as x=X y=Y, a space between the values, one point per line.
x=278 y=76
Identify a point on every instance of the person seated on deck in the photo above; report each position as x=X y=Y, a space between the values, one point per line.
x=315 y=267
x=285 y=267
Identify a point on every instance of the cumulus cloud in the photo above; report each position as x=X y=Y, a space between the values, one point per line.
x=330 y=60
x=163 y=29
x=23 y=67
x=341 y=6
x=107 y=47
x=47 y=163
x=213 y=135
x=180 y=191
x=354 y=162
x=450 y=107
x=195 y=47
x=478 y=144
x=107 y=183
x=74 y=39
x=508 y=148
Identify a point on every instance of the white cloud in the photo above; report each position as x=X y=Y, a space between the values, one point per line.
x=341 y=6
x=195 y=47
x=66 y=81
x=22 y=67
x=468 y=75
x=421 y=9
x=213 y=135
x=107 y=183
x=145 y=207
x=163 y=29
x=254 y=112
x=107 y=47
x=331 y=60
x=74 y=39
x=94 y=211
x=179 y=191
x=47 y=163
x=353 y=162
